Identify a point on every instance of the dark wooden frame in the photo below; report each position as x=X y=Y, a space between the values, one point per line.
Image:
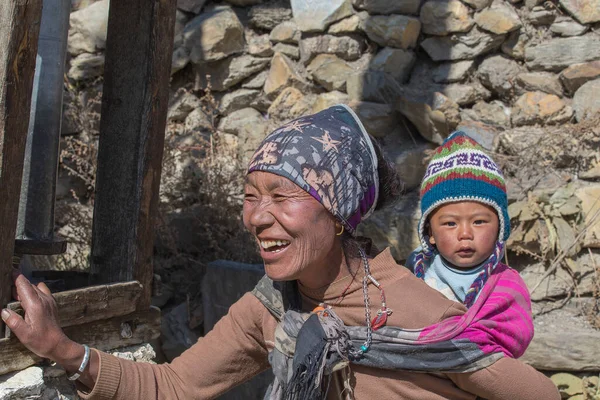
x=132 y=128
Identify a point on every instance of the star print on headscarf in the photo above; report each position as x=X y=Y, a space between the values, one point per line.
x=328 y=142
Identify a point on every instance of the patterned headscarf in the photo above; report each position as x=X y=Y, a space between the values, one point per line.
x=330 y=156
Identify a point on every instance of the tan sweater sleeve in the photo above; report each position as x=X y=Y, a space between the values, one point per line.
x=507 y=379
x=231 y=353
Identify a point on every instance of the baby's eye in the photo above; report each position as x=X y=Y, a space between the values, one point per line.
x=449 y=223
x=480 y=222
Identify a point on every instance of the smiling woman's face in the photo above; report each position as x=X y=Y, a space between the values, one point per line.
x=295 y=233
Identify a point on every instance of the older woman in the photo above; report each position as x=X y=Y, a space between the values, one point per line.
x=309 y=185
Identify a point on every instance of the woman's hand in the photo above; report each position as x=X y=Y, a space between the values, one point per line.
x=39 y=330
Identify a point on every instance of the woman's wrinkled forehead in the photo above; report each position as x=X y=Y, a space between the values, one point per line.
x=276 y=181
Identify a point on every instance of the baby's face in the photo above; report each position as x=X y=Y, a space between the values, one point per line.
x=465 y=233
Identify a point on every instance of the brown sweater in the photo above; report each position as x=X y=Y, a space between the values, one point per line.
x=237 y=348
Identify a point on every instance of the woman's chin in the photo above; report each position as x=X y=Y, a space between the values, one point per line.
x=279 y=273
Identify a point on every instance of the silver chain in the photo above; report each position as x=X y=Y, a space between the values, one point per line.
x=365 y=347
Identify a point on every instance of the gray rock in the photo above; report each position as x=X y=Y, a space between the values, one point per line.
x=397 y=63
x=464 y=95
x=586 y=101
x=316 y=16
x=290 y=104
x=396 y=226
x=461 y=46
x=514 y=46
x=560 y=53
x=351 y=24
x=88 y=27
x=286 y=32
x=243 y=3
x=289 y=50
x=498 y=74
x=179 y=59
x=441 y=17
x=375 y=86
x=193 y=6
x=328 y=99
x=330 y=72
x=540 y=16
x=494 y=113
x=345 y=47
x=386 y=7
x=393 y=30
x=267 y=16
x=213 y=35
x=585 y=11
x=452 y=71
x=499 y=18
x=182 y=103
x=86 y=66
x=484 y=134
x=283 y=73
x=546 y=82
x=181 y=19
x=139 y=353
x=379 y=119
x=22 y=384
x=226 y=73
x=250 y=128
x=259 y=45
x=233 y=101
x=479 y=4
x=539 y=108
x=257 y=81
x=576 y=75
x=420 y=109
x=565 y=26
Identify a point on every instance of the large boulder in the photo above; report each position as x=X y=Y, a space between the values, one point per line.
x=291 y=103
x=375 y=86
x=585 y=11
x=259 y=45
x=224 y=74
x=576 y=75
x=283 y=73
x=286 y=32
x=397 y=63
x=452 y=71
x=565 y=26
x=249 y=126
x=393 y=30
x=386 y=7
x=559 y=53
x=181 y=104
x=441 y=17
x=494 y=113
x=379 y=119
x=540 y=108
x=236 y=100
x=351 y=24
x=499 y=18
x=328 y=99
x=461 y=46
x=330 y=72
x=317 y=16
x=213 y=35
x=25 y=384
x=546 y=82
x=88 y=27
x=586 y=101
x=498 y=74
x=345 y=47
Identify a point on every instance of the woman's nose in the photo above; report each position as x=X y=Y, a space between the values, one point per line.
x=260 y=215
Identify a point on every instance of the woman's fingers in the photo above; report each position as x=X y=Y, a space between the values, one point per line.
x=43 y=288
x=27 y=293
x=15 y=322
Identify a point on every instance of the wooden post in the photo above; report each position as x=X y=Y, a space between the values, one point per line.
x=19 y=31
x=132 y=127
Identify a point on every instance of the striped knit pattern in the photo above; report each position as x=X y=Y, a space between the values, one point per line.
x=460 y=170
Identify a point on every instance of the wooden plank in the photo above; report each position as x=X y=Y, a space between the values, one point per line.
x=19 y=31
x=132 y=127
x=80 y=306
x=140 y=327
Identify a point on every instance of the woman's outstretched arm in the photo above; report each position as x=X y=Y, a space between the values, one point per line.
x=231 y=353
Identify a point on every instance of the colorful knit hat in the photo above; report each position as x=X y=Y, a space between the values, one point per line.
x=330 y=155
x=460 y=170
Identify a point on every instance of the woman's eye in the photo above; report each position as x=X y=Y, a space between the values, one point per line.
x=249 y=196
x=279 y=197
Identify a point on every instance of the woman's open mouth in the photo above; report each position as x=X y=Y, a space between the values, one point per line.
x=274 y=246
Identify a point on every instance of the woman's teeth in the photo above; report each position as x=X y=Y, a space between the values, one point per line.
x=270 y=244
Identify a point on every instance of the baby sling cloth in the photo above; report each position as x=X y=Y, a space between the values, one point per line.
x=309 y=347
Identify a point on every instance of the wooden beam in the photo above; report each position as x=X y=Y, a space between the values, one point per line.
x=19 y=31
x=132 y=127
x=127 y=330
x=81 y=306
